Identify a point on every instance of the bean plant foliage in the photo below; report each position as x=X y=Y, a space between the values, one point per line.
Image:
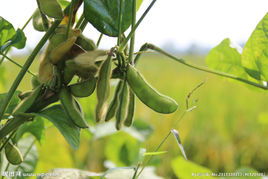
x=73 y=67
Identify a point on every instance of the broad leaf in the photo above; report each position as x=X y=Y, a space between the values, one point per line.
x=18 y=41
x=63 y=3
x=187 y=170
x=226 y=58
x=122 y=149
x=104 y=15
x=57 y=116
x=30 y=161
x=10 y=37
x=51 y=8
x=36 y=128
x=255 y=53
x=13 y=103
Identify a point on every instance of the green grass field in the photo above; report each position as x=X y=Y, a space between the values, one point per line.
x=226 y=131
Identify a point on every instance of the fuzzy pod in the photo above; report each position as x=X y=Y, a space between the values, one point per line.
x=84 y=88
x=71 y=108
x=114 y=103
x=131 y=109
x=103 y=86
x=148 y=95
x=25 y=105
x=13 y=154
x=123 y=106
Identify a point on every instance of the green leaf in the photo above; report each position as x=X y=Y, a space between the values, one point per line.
x=7 y=31
x=30 y=161
x=57 y=116
x=13 y=103
x=186 y=169
x=18 y=41
x=226 y=58
x=104 y=15
x=63 y=3
x=255 y=53
x=51 y=8
x=36 y=128
x=10 y=37
x=122 y=149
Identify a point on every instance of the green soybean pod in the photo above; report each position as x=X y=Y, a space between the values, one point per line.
x=13 y=154
x=83 y=88
x=71 y=108
x=28 y=102
x=148 y=95
x=131 y=109
x=123 y=106
x=103 y=87
x=114 y=103
x=38 y=21
x=86 y=43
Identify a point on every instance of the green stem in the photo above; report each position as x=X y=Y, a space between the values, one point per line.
x=81 y=19
x=132 y=40
x=83 y=25
x=25 y=67
x=70 y=21
x=6 y=141
x=120 y=22
x=122 y=46
x=16 y=63
x=155 y=48
x=99 y=40
x=11 y=126
x=23 y=27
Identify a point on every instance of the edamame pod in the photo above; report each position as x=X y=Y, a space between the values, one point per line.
x=58 y=52
x=148 y=95
x=83 y=88
x=38 y=21
x=68 y=72
x=13 y=154
x=85 y=43
x=123 y=106
x=70 y=106
x=114 y=103
x=28 y=102
x=131 y=109
x=103 y=87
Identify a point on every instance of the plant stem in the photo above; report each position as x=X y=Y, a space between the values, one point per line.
x=99 y=40
x=25 y=67
x=6 y=141
x=120 y=22
x=11 y=126
x=14 y=62
x=83 y=25
x=155 y=48
x=81 y=19
x=132 y=40
x=70 y=21
x=23 y=27
x=122 y=45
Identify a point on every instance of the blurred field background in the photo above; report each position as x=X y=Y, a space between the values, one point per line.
x=227 y=130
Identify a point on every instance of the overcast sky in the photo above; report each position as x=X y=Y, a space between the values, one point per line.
x=180 y=22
